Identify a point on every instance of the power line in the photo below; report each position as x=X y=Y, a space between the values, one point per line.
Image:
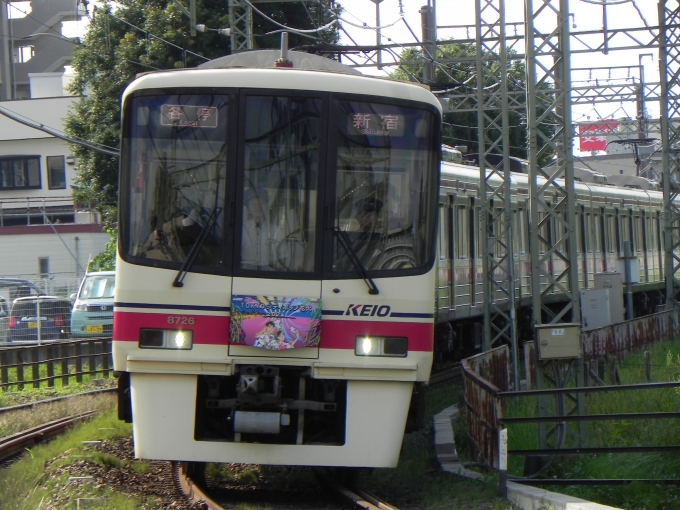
x=41 y=127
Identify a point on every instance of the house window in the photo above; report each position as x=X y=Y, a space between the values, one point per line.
x=20 y=173
x=23 y=54
x=56 y=172
x=44 y=267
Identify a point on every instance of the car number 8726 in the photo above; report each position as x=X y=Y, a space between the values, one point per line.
x=181 y=321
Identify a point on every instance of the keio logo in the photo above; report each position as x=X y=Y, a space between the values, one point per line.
x=368 y=310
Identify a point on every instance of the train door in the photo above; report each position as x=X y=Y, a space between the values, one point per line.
x=521 y=241
x=276 y=219
x=640 y=243
x=444 y=251
x=463 y=267
x=581 y=247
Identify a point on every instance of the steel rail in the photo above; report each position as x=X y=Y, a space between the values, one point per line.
x=30 y=405
x=357 y=497
x=445 y=375
x=16 y=443
x=191 y=491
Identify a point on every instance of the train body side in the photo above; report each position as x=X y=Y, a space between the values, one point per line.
x=606 y=216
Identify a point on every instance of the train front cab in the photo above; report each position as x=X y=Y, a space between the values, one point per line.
x=298 y=330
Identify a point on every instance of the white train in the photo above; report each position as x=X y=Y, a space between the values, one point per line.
x=289 y=260
x=275 y=280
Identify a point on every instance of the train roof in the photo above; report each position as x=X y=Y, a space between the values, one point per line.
x=468 y=176
x=315 y=74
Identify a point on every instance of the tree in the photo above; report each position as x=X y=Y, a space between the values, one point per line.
x=140 y=36
x=460 y=128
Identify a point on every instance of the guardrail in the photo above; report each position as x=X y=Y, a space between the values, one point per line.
x=56 y=363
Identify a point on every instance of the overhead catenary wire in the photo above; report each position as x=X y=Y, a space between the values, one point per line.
x=291 y=29
x=41 y=127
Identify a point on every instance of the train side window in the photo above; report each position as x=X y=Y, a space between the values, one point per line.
x=462 y=232
x=476 y=242
x=624 y=230
x=610 y=233
x=651 y=234
x=588 y=234
x=519 y=233
x=598 y=233
x=443 y=231
x=638 y=231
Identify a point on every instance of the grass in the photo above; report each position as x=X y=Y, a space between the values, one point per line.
x=40 y=480
x=418 y=482
x=647 y=496
x=14 y=385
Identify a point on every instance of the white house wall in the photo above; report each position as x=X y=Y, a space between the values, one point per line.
x=49 y=111
x=22 y=247
x=43 y=148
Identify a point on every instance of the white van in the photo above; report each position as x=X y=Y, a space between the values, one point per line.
x=92 y=314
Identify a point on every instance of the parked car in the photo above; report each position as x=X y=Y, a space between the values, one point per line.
x=4 y=319
x=36 y=318
x=10 y=289
x=13 y=288
x=92 y=314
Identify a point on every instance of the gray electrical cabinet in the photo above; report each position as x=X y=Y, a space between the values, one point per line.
x=595 y=309
x=559 y=341
x=614 y=283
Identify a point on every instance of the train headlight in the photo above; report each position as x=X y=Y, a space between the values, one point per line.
x=166 y=339
x=390 y=346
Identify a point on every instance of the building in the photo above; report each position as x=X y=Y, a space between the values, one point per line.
x=616 y=147
x=44 y=235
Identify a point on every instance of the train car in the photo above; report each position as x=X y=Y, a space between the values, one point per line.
x=275 y=281
x=606 y=216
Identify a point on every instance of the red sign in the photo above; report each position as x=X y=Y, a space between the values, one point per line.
x=593 y=136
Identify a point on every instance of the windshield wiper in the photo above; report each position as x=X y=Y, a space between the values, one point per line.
x=347 y=245
x=193 y=253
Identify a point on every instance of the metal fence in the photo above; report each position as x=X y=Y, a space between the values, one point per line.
x=58 y=363
x=486 y=385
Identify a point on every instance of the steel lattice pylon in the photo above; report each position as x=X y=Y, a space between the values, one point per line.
x=669 y=69
x=552 y=201
x=500 y=325
x=241 y=23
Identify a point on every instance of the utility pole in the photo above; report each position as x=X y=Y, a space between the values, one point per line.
x=429 y=29
x=7 y=55
x=378 y=38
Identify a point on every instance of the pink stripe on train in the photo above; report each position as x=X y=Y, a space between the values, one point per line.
x=214 y=330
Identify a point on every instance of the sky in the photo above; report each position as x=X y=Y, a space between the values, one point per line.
x=588 y=15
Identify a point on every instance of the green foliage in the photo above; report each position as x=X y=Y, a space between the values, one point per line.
x=460 y=128
x=113 y=53
x=38 y=477
x=106 y=260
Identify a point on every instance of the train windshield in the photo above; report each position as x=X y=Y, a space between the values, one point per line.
x=385 y=186
x=270 y=183
x=280 y=174
x=177 y=172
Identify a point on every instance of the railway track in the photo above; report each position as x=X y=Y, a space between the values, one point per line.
x=446 y=375
x=353 y=497
x=17 y=443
